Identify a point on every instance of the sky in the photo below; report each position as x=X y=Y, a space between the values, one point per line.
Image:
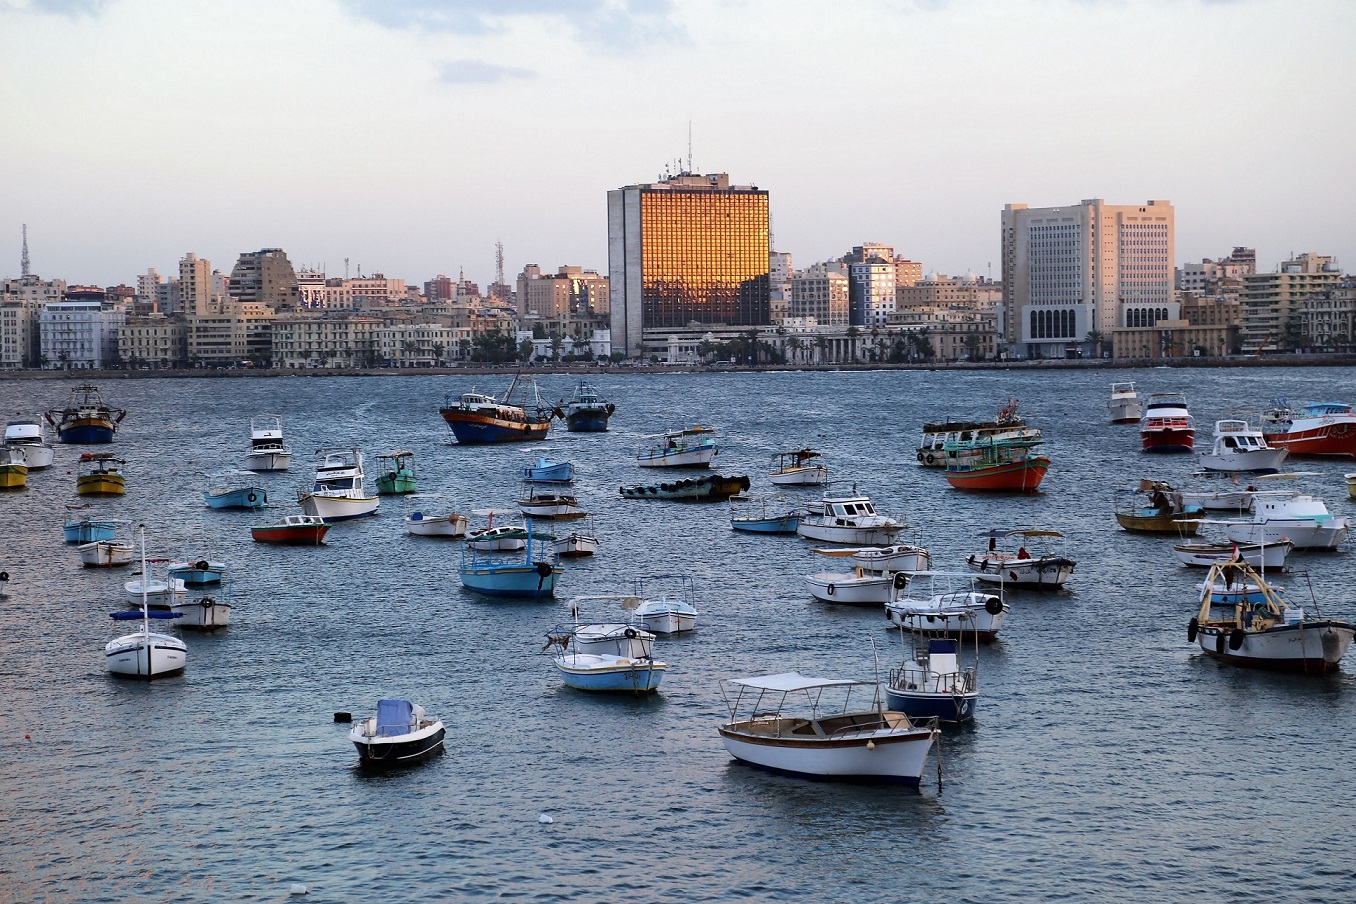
x=409 y=136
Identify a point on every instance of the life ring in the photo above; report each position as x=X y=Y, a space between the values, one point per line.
x=1192 y=627
x=545 y=569
x=630 y=633
x=1236 y=638
x=901 y=580
x=4 y=575
x=920 y=456
x=832 y=590
x=993 y=605
x=931 y=459
x=252 y=497
x=202 y=565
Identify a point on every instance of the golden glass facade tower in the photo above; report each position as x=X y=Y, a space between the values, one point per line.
x=689 y=250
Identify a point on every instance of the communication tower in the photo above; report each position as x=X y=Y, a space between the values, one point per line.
x=23 y=258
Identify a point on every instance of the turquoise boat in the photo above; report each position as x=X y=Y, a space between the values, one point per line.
x=232 y=490
x=750 y=513
x=398 y=474
x=86 y=530
x=528 y=573
x=547 y=471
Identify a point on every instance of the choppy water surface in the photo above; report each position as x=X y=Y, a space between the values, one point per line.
x=1108 y=760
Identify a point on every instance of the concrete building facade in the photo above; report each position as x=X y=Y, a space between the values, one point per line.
x=79 y=334
x=264 y=277
x=820 y=292
x=1270 y=301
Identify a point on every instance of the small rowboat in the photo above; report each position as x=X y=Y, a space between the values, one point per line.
x=293 y=530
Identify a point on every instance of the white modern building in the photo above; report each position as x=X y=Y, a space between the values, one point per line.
x=78 y=335
x=1087 y=268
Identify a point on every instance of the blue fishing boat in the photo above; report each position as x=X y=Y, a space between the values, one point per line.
x=750 y=513
x=530 y=572
x=87 y=530
x=547 y=471
x=587 y=412
x=480 y=418
x=932 y=683
x=198 y=573
x=607 y=657
x=232 y=490
x=86 y=419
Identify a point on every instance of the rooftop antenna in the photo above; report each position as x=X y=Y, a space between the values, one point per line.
x=689 y=146
x=499 y=263
x=345 y=268
x=23 y=258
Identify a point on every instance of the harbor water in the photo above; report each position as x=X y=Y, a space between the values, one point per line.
x=1109 y=759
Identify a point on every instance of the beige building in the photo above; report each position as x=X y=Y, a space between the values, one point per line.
x=569 y=292
x=154 y=340
x=1086 y=268
x=195 y=287
x=1327 y=319
x=1270 y=301
x=21 y=304
x=1208 y=327
x=420 y=344
x=950 y=292
x=264 y=277
x=907 y=272
x=821 y=292
x=325 y=340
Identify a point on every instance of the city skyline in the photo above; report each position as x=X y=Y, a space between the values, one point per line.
x=409 y=137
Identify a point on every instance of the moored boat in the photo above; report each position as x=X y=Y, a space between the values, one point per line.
x=673 y=610
x=1260 y=629
x=339 y=492
x=198 y=572
x=13 y=470
x=690 y=447
x=477 y=418
x=898 y=557
x=100 y=475
x=1167 y=426
x=400 y=734
x=997 y=465
x=851 y=520
x=397 y=475
x=145 y=653
x=1279 y=515
x=749 y=513
x=1166 y=513
x=539 y=502
x=24 y=435
x=1240 y=448
x=580 y=542
x=110 y=553
x=1322 y=429
x=931 y=682
x=547 y=471
x=707 y=488
x=86 y=418
x=88 y=530
x=234 y=490
x=948 y=604
x=820 y=740
x=798 y=469
x=293 y=530
x=531 y=575
x=859 y=587
x=267 y=449
x=1351 y=484
x=606 y=656
x=587 y=411
x=1045 y=569
x=1006 y=426
x=1266 y=556
x=1124 y=406
x=451 y=525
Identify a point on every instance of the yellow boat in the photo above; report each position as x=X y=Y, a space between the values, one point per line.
x=1351 y=485
x=13 y=469
x=100 y=475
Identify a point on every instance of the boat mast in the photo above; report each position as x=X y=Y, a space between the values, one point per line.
x=145 y=607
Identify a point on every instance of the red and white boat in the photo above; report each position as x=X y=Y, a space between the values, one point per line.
x=1014 y=465
x=1315 y=428
x=1167 y=425
x=293 y=530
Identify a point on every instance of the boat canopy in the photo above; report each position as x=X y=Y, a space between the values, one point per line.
x=394 y=717
x=136 y=614
x=999 y=533
x=786 y=682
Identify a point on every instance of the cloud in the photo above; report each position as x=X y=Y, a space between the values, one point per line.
x=468 y=72
x=606 y=26
x=72 y=9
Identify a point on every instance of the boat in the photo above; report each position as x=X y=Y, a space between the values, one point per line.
x=1351 y=484
x=582 y=541
x=233 y=490
x=338 y=493
x=88 y=530
x=397 y=476
x=479 y=418
x=109 y=553
x=948 y=604
x=749 y=513
x=931 y=682
x=1007 y=425
x=547 y=471
x=293 y=530
x=1013 y=465
x=690 y=447
x=822 y=740
x=146 y=587
x=400 y=734
x=707 y=488
x=851 y=520
x=1124 y=406
x=204 y=614
x=1313 y=428
x=198 y=572
x=1279 y=515
x=532 y=575
x=673 y=611
x=267 y=450
x=1266 y=556
x=1167 y=426
x=1166 y=513
x=1264 y=631
x=606 y=657
x=898 y=557
x=586 y=411
x=859 y=587
x=451 y=525
x=100 y=475
x=1233 y=498
x=1240 y=448
x=798 y=469
x=85 y=419
x=13 y=469
x=145 y=653
x=25 y=436
x=1043 y=570
x=537 y=502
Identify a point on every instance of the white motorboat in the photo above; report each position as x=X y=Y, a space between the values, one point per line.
x=400 y=734
x=1260 y=629
x=606 y=657
x=948 y=604
x=899 y=557
x=858 y=587
x=1043 y=569
x=1298 y=517
x=691 y=447
x=338 y=493
x=451 y=525
x=155 y=591
x=1124 y=406
x=798 y=469
x=24 y=436
x=674 y=611
x=582 y=541
x=145 y=653
x=851 y=520
x=544 y=503
x=106 y=553
x=817 y=739
x=500 y=538
x=932 y=682
x=267 y=450
x=1268 y=557
x=1238 y=447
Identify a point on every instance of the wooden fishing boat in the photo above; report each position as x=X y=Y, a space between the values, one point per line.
x=100 y=475
x=1166 y=513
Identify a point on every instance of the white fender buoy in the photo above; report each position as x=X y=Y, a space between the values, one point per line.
x=545 y=819
x=296 y=888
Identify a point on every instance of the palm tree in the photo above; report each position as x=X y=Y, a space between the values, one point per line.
x=852 y=334
x=822 y=345
x=1095 y=339
x=794 y=344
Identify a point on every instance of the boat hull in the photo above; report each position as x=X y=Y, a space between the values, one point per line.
x=1048 y=572
x=268 y=461
x=480 y=429
x=1203 y=555
x=241 y=498
x=385 y=753
x=100 y=485
x=1125 y=411
x=447 y=526
x=810 y=476
x=521 y=581
x=1168 y=441
x=1260 y=461
x=144 y=655
x=288 y=535
x=847 y=589
x=944 y=707
x=339 y=508
x=1334 y=440
x=891 y=757
x=587 y=420
x=849 y=535
x=13 y=476
x=106 y=554
x=87 y=531
x=590 y=672
x=976 y=621
x=1015 y=477
x=396 y=485
x=1303 y=533
x=1313 y=648
x=1151 y=522
x=692 y=489
x=785 y=524
x=205 y=614
x=576 y=545
x=91 y=431
x=198 y=574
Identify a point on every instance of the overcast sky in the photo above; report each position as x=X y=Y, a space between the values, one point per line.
x=410 y=135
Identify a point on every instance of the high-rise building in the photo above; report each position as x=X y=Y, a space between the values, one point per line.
x=266 y=277
x=691 y=249
x=195 y=286
x=821 y=292
x=1091 y=267
x=569 y=292
x=1271 y=301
